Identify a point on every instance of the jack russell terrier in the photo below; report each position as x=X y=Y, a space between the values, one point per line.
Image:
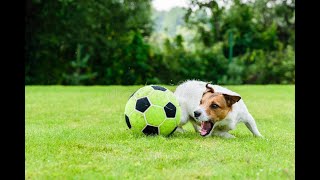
x=212 y=109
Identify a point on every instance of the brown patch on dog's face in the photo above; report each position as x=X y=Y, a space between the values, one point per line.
x=217 y=105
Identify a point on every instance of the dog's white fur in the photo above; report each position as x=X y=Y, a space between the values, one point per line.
x=189 y=95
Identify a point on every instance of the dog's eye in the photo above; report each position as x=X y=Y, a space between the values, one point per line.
x=214 y=106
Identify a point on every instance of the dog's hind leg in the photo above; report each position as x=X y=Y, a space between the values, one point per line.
x=251 y=125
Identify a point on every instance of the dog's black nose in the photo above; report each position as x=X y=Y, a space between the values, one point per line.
x=197 y=114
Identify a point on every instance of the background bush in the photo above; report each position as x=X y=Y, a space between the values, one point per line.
x=123 y=42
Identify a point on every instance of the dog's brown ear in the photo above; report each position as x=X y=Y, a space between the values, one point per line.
x=208 y=89
x=231 y=99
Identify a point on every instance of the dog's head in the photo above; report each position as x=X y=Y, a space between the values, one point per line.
x=214 y=107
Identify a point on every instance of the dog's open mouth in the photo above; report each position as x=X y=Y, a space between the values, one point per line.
x=206 y=127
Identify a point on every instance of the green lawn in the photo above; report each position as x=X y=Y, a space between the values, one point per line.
x=80 y=133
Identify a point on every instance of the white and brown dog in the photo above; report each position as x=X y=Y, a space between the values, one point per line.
x=212 y=109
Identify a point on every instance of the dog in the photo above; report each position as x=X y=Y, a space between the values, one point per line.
x=212 y=109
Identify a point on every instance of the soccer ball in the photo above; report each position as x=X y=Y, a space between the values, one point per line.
x=152 y=110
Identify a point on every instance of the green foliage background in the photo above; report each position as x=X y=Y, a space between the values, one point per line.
x=127 y=42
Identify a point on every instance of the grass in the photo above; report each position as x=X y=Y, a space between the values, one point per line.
x=78 y=132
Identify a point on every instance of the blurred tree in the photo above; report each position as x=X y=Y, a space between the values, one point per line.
x=115 y=35
x=80 y=69
x=135 y=66
x=168 y=21
x=103 y=27
x=207 y=20
x=260 y=29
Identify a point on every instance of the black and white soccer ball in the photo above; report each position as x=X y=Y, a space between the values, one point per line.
x=152 y=110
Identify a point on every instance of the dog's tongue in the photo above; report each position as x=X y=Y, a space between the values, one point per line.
x=205 y=127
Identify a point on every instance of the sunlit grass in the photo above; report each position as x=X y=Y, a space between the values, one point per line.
x=80 y=133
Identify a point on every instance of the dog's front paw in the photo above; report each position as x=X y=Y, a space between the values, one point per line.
x=224 y=134
x=180 y=130
x=229 y=136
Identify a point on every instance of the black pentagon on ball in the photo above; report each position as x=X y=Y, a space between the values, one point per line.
x=159 y=88
x=142 y=104
x=128 y=122
x=150 y=130
x=170 y=110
